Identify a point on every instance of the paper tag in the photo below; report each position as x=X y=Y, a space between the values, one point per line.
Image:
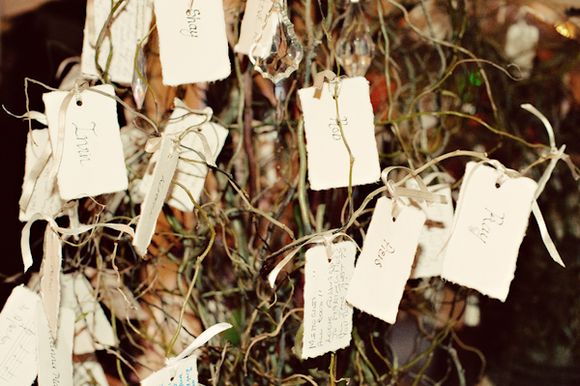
x=489 y=226
x=193 y=46
x=92 y=158
x=131 y=24
x=39 y=191
x=384 y=264
x=155 y=197
x=89 y=373
x=252 y=24
x=435 y=233
x=18 y=361
x=327 y=316
x=55 y=357
x=50 y=280
x=328 y=160
x=183 y=374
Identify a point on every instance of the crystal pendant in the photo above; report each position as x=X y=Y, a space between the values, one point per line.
x=355 y=47
x=277 y=51
x=139 y=85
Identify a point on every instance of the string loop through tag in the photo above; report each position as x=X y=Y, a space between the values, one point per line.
x=319 y=82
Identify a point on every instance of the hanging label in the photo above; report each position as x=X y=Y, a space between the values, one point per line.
x=384 y=264
x=252 y=24
x=434 y=235
x=18 y=362
x=489 y=226
x=130 y=24
x=39 y=191
x=50 y=280
x=193 y=45
x=92 y=154
x=182 y=374
x=55 y=356
x=327 y=316
x=155 y=197
x=328 y=158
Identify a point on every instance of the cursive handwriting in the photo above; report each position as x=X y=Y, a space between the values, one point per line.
x=483 y=231
x=384 y=249
x=192 y=17
x=334 y=127
x=82 y=142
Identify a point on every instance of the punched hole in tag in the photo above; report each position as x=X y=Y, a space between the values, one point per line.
x=79 y=102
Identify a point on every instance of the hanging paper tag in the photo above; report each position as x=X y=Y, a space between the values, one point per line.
x=384 y=264
x=252 y=24
x=489 y=226
x=434 y=235
x=151 y=207
x=327 y=316
x=55 y=356
x=130 y=24
x=193 y=46
x=18 y=362
x=328 y=159
x=50 y=280
x=89 y=373
x=39 y=192
x=92 y=158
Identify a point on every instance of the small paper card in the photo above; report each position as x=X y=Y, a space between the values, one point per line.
x=193 y=45
x=155 y=197
x=18 y=362
x=328 y=159
x=39 y=191
x=434 y=236
x=327 y=316
x=183 y=374
x=489 y=226
x=92 y=157
x=130 y=24
x=55 y=356
x=384 y=264
x=252 y=24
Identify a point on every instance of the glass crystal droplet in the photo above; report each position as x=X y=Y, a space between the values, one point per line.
x=277 y=51
x=139 y=85
x=355 y=47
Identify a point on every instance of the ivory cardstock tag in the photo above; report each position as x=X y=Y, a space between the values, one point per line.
x=327 y=316
x=155 y=197
x=55 y=356
x=18 y=338
x=39 y=191
x=489 y=226
x=384 y=264
x=92 y=155
x=183 y=373
x=50 y=280
x=434 y=235
x=328 y=160
x=130 y=25
x=193 y=46
x=252 y=24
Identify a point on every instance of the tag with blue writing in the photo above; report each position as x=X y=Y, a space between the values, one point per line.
x=193 y=45
x=328 y=157
x=92 y=154
x=327 y=316
x=184 y=373
x=489 y=226
x=384 y=264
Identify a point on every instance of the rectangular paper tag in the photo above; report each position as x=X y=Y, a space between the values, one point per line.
x=193 y=45
x=130 y=25
x=39 y=184
x=92 y=157
x=434 y=236
x=327 y=316
x=328 y=160
x=155 y=197
x=384 y=264
x=252 y=24
x=55 y=357
x=18 y=362
x=489 y=226
x=184 y=373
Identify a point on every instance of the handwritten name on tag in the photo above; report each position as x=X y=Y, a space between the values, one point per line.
x=435 y=233
x=18 y=362
x=155 y=197
x=193 y=46
x=130 y=25
x=489 y=226
x=55 y=356
x=384 y=264
x=327 y=316
x=39 y=191
x=252 y=24
x=92 y=157
x=328 y=159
